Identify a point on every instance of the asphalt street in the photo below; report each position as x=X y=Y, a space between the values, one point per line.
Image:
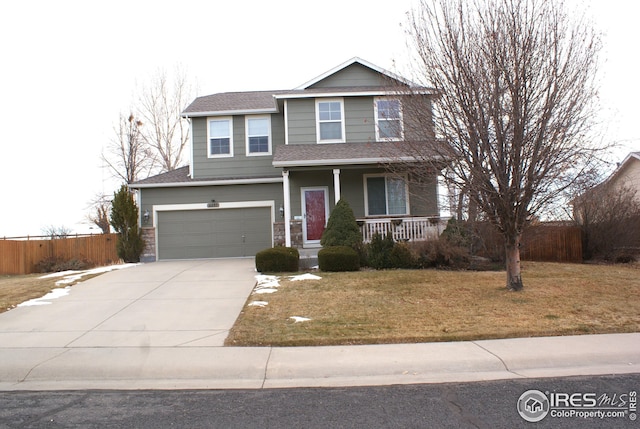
x=488 y=404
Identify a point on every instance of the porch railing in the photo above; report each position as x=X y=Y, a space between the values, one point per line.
x=403 y=228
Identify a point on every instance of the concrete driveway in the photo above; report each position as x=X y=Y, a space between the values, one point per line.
x=162 y=325
x=164 y=304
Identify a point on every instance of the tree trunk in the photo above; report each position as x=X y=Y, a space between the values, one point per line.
x=514 y=277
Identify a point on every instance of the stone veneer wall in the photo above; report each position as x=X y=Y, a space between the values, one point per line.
x=149 y=237
x=296 y=234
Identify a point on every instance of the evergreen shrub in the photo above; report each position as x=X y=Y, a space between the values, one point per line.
x=402 y=256
x=379 y=251
x=124 y=219
x=342 y=228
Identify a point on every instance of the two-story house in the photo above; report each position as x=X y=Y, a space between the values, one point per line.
x=267 y=167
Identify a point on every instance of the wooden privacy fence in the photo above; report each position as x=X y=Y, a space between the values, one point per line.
x=22 y=256
x=552 y=244
x=548 y=243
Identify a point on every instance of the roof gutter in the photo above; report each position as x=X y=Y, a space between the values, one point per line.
x=256 y=181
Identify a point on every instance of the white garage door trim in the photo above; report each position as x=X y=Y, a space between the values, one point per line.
x=207 y=206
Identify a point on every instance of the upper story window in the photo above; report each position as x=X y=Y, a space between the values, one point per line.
x=389 y=124
x=220 y=137
x=258 y=130
x=385 y=195
x=330 y=121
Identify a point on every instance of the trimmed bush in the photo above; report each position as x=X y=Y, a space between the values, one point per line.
x=338 y=258
x=277 y=260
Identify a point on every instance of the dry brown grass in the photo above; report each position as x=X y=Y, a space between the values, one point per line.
x=372 y=307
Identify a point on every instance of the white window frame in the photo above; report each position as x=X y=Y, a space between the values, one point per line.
x=386 y=194
x=219 y=119
x=377 y=120
x=342 y=119
x=247 y=136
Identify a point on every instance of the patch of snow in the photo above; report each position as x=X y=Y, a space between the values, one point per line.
x=46 y=299
x=59 y=274
x=306 y=276
x=267 y=284
x=258 y=304
x=265 y=281
x=72 y=276
x=265 y=290
x=298 y=319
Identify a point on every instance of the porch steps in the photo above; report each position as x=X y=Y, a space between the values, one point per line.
x=308 y=258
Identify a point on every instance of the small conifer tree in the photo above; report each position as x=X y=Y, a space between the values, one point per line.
x=342 y=228
x=124 y=219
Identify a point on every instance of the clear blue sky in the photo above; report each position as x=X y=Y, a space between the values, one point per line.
x=70 y=67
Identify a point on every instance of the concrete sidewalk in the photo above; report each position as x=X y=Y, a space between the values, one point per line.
x=162 y=326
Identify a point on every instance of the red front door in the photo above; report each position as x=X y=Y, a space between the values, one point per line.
x=315 y=214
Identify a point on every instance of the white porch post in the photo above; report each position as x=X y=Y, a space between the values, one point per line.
x=336 y=183
x=287 y=208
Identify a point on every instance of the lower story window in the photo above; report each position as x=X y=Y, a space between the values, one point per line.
x=386 y=195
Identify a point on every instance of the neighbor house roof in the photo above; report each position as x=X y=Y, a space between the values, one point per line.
x=181 y=177
x=630 y=157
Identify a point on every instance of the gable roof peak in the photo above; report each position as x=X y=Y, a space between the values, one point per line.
x=355 y=60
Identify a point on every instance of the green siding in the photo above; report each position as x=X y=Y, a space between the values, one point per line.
x=302 y=121
x=240 y=165
x=353 y=75
x=358 y=113
x=360 y=120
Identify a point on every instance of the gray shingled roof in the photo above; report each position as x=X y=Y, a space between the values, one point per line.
x=180 y=177
x=345 y=153
x=234 y=102
x=265 y=101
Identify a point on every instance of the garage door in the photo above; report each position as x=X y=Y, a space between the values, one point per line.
x=221 y=233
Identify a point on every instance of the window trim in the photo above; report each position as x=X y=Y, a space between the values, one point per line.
x=377 y=120
x=246 y=133
x=220 y=119
x=404 y=178
x=342 y=120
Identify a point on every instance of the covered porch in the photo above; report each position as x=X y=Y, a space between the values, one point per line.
x=316 y=177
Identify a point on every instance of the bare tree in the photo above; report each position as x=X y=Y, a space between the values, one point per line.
x=99 y=208
x=160 y=106
x=56 y=232
x=128 y=156
x=516 y=88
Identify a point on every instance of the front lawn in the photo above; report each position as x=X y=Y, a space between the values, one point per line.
x=398 y=306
